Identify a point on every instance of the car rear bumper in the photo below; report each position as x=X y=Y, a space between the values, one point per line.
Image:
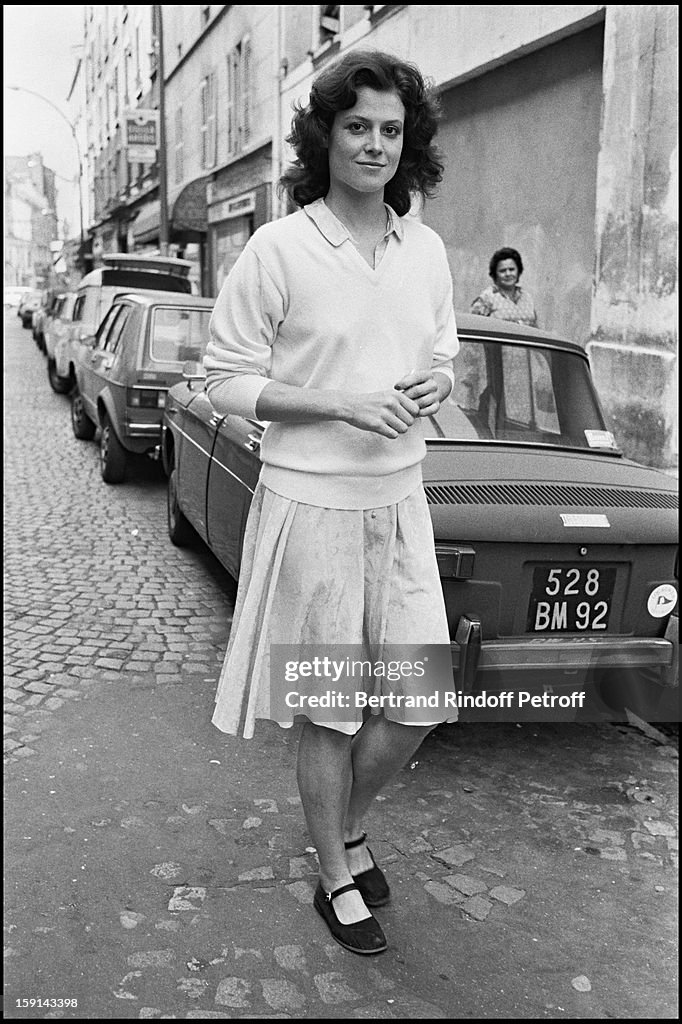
x=145 y=430
x=142 y=438
x=473 y=655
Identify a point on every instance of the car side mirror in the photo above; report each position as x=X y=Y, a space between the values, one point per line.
x=193 y=370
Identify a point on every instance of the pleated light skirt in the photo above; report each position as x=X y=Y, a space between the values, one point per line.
x=319 y=576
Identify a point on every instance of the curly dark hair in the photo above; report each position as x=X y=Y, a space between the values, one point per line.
x=504 y=254
x=334 y=89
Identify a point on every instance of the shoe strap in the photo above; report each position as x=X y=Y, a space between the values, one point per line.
x=329 y=896
x=355 y=842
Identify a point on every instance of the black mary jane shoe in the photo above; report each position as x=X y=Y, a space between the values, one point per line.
x=372 y=883
x=365 y=937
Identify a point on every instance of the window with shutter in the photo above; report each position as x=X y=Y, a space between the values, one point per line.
x=246 y=91
x=204 y=121
x=330 y=21
x=211 y=121
x=208 y=121
x=235 y=100
x=239 y=97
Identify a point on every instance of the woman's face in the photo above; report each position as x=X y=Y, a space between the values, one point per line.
x=366 y=141
x=506 y=274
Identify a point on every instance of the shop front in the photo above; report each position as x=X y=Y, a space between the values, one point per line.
x=239 y=201
x=187 y=230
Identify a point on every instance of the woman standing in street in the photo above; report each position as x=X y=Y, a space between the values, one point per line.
x=336 y=327
x=505 y=298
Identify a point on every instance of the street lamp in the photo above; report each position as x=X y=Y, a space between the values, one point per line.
x=32 y=92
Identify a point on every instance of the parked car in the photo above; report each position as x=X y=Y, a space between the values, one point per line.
x=123 y=377
x=13 y=294
x=558 y=556
x=56 y=328
x=30 y=301
x=48 y=301
x=120 y=272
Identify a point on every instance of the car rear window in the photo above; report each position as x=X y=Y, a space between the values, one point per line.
x=177 y=335
x=511 y=392
x=146 y=279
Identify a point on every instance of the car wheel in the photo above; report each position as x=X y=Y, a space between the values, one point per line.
x=112 y=454
x=61 y=385
x=83 y=427
x=179 y=527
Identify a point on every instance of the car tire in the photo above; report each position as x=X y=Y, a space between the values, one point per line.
x=83 y=427
x=112 y=454
x=179 y=527
x=60 y=385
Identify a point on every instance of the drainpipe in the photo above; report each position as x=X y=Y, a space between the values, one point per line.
x=278 y=74
x=163 y=167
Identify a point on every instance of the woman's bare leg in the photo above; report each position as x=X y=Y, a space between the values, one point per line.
x=325 y=779
x=378 y=752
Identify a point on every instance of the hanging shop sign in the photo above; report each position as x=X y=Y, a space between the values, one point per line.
x=141 y=135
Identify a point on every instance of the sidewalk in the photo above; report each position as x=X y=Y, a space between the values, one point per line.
x=158 y=869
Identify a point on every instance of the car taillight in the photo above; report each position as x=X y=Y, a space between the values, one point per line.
x=455 y=561
x=146 y=398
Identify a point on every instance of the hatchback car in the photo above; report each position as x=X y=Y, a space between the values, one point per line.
x=56 y=328
x=30 y=302
x=123 y=376
x=43 y=316
x=120 y=272
x=558 y=556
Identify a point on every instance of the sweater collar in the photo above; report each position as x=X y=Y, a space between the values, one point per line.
x=335 y=232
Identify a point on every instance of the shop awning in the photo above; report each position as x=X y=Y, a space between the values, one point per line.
x=190 y=211
x=188 y=219
x=147 y=224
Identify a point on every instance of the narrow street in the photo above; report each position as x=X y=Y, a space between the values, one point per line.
x=155 y=868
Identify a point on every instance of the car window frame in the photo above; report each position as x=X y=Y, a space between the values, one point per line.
x=491 y=420
x=104 y=327
x=117 y=325
x=78 y=308
x=161 y=307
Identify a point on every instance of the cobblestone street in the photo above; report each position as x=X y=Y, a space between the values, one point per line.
x=94 y=590
x=156 y=868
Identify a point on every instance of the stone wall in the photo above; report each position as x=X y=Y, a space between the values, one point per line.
x=633 y=347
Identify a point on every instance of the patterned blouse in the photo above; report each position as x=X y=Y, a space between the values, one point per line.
x=519 y=308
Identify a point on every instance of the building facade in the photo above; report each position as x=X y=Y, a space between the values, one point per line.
x=559 y=136
x=31 y=223
x=221 y=100
x=117 y=76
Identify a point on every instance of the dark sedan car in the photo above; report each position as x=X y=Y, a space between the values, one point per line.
x=558 y=556
x=124 y=373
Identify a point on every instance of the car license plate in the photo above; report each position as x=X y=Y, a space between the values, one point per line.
x=570 y=598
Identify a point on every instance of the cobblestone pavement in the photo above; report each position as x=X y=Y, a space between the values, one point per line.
x=157 y=869
x=93 y=588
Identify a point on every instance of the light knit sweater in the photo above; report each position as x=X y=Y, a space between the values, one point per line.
x=301 y=306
